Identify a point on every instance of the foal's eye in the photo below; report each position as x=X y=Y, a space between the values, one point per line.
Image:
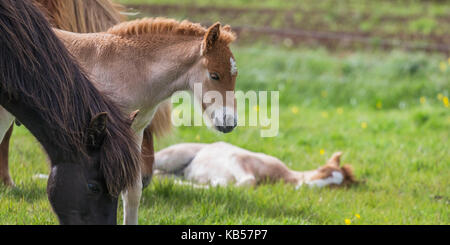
x=214 y=76
x=94 y=188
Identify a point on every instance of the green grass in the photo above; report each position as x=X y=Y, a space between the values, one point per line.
x=402 y=157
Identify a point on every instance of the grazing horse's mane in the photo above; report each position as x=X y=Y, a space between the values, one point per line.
x=167 y=26
x=37 y=70
x=82 y=16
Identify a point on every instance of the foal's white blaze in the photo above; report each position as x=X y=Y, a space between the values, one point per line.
x=336 y=178
x=233 y=67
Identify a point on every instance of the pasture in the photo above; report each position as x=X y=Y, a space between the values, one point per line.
x=387 y=111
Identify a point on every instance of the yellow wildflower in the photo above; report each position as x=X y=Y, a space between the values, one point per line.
x=347 y=221
x=324 y=114
x=363 y=125
x=443 y=66
x=440 y=96
x=294 y=109
x=422 y=100
x=358 y=216
x=322 y=151
x=197 y=137
x=445 y=101
x=340 y=110
x=379 y=105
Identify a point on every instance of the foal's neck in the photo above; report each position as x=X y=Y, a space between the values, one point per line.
x=300 y=177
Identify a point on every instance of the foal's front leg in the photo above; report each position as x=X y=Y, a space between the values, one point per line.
x=132 y=197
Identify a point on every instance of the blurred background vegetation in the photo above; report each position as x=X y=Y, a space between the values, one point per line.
x=381 y=54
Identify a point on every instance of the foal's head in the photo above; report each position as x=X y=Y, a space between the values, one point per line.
x=217 y=72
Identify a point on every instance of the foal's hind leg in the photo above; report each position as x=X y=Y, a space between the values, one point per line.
x=5 y=178
x=148 y=157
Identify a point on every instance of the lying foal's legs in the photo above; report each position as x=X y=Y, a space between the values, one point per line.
x=5 y=178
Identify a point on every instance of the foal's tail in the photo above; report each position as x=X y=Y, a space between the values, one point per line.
x=174 y=159
x=86 y=16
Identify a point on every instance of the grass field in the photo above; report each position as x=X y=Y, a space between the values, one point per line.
x=388 y=113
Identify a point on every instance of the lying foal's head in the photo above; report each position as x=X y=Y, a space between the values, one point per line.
x=332 y=174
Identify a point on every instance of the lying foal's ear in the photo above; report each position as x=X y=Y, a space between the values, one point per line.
x=96 y=131
x=211 y=37
x=335 y=159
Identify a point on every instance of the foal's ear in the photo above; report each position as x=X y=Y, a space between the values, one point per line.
x=96 y=131
x=211 y=37
x=335 y=159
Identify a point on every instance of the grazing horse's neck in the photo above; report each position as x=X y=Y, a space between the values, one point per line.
x=39 y=127
x=144 y=71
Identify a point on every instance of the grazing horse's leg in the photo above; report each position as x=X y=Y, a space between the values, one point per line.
x=148 y=157
x=132 y=197
x=6 y=121
x=4 y=149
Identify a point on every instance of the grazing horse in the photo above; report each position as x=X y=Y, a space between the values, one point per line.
x=222 y=163
x=143 y=62
x=84 y=17
x=93 y=152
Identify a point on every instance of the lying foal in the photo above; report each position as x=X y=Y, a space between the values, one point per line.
x=222 y=163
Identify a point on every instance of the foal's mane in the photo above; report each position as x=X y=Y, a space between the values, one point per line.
x=167 y=26
x=37 y=70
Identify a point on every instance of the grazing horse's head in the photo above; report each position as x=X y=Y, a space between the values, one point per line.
x=78 y=189
x=217 y=72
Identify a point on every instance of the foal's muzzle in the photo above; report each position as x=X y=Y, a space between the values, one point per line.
x=226 y=123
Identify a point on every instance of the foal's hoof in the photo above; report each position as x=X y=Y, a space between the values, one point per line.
x=8 y=182
x=146 y=181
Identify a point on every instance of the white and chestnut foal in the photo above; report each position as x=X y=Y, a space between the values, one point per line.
x=222 y=164
x=143 y=62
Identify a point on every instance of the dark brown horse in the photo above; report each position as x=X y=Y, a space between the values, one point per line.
x=85 y=17
x=84 y=134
